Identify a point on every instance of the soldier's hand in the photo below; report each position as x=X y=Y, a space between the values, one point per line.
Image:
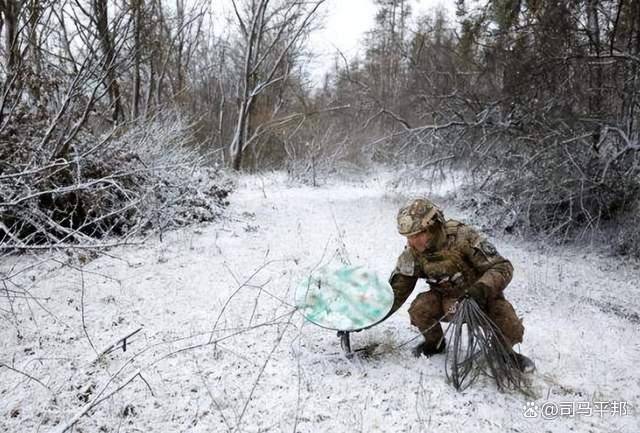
x=479 y=292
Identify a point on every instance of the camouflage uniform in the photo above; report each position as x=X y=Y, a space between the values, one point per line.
x=460 y=259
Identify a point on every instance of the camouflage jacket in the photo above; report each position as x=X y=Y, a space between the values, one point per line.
x=466 y=258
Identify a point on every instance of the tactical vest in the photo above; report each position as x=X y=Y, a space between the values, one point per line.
x=455 y=242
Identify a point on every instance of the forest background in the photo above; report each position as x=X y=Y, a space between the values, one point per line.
x=120 y=117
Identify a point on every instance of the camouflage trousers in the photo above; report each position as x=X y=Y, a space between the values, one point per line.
x=428 y=308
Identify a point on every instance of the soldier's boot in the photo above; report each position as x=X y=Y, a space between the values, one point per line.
x=524 y=363
x=425 y=311
x=429 y=350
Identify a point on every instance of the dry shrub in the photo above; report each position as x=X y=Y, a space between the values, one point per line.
x=570 y=189
x=626 y=234
x=112 y=185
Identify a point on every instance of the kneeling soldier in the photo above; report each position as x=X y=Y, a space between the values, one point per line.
x=455 y=261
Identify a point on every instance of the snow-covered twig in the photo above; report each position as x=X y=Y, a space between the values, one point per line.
x=84 y=324
x=120 y=341
x=2 y=364
x=96 y=401
x=261 y=372
x=230 y=298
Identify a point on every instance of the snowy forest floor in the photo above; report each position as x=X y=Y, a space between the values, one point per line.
x=222 y=348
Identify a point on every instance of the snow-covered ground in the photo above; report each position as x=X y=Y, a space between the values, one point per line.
x=222 y=348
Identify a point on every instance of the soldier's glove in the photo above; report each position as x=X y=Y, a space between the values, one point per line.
x=479 y=292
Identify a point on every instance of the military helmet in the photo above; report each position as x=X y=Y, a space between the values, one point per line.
x=418 y=215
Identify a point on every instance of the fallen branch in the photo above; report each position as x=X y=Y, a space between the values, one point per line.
x=84 y=324
x=95 y=402
x=110 y=348
x=2 y=364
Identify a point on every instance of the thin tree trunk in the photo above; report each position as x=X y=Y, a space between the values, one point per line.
x=596 y=75
x=102 y=24
x=138 y=5
x=34 y=49
x=12 y=54
x=630 y=76
x=152 y=85
x=180 y=47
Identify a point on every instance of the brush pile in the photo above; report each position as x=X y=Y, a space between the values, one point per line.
x=115 y=185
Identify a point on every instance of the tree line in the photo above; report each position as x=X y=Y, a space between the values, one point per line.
x=537 y=99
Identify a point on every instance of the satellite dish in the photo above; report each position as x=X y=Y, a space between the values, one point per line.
x=348 y=298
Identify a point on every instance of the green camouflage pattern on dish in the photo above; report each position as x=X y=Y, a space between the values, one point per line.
x=346 y=299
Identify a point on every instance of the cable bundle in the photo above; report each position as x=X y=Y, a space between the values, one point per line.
x=481 y=348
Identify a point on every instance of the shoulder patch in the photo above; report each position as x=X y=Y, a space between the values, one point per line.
x=487 y=248
x=406 y=263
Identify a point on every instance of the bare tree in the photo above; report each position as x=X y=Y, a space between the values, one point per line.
x=10 y=11
x=137 y=7
x=270 y=32
x=101 y=19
